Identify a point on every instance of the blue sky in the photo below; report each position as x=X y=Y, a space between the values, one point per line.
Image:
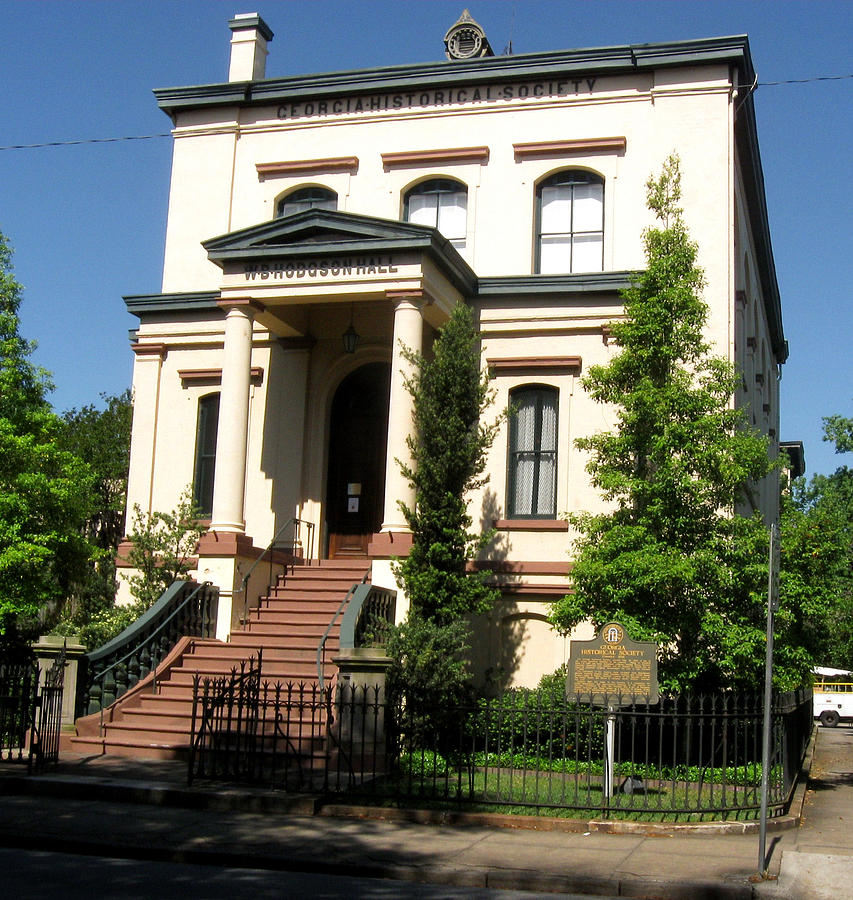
x=87 y=222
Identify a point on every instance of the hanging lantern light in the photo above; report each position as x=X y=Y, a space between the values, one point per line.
x=350 y=336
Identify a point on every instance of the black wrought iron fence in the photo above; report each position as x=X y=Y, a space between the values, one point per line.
x=687 y=757
x=18 y=693
x=258 y=732
x=30 y=713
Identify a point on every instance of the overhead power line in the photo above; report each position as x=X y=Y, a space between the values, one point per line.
x=130 y=137
x=164 y=134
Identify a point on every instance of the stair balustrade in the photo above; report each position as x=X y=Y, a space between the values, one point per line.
x=185 y=609
x=370 y=613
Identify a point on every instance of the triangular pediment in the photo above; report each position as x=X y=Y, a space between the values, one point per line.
x=319 y=226
x=323 y=232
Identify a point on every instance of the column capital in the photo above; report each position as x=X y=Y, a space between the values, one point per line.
x=141 y=349
x=246 y=304
x=414 y=297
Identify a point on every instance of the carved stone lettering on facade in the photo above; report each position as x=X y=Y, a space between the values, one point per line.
x=315 y=268
x=380 y=103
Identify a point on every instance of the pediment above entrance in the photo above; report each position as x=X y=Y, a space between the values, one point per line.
x=321 y=236
x=318 y=257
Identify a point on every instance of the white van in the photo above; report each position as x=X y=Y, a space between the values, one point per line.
x=833 y=695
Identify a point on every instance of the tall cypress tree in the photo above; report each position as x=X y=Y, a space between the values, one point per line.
x=670 y=558
x=449 y=445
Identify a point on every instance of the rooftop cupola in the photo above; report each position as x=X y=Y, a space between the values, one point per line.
x=466 y=39
x=249 y=37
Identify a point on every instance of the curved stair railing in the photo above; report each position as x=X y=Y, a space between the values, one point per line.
x=370 y=613
x=369 y=617
x=186 y=608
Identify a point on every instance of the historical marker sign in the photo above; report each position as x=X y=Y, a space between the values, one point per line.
x=612 y=665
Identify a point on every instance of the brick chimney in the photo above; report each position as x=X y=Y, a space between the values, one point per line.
x=249 y=37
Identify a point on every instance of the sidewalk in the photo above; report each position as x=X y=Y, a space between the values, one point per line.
x=89 y=812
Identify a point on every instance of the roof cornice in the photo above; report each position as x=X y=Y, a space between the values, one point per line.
x=184 y=302
x=498 y=287
x=625 y=59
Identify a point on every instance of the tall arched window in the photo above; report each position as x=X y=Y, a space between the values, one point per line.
x=205 y=453
x=532 y=475
x=306 y=198
x=570 y=223
x=441 y=203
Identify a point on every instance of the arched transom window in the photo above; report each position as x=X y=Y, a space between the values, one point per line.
x=441 y=203
x=570 y=214
x=306 y=198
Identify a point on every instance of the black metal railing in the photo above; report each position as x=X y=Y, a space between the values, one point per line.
x=252 y=731
x=283 y=552
x=18 y=693
x=185 y=609
x=684 y=758
x=224 y=723
x=47 y=724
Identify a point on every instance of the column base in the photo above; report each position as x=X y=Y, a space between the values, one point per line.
x=227 y=543
x=386 y=544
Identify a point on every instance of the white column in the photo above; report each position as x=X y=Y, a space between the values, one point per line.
x=229 y=483
x=408 y=333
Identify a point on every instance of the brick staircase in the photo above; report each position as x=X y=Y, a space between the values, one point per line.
x=287 y=626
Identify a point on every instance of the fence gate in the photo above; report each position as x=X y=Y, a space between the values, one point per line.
x=18 y=692
x=47 y=722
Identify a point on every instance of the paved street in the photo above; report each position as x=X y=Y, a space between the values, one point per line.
x=33 y=875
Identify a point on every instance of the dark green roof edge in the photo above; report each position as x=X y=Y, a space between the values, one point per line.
x=585 y=283
x=192 y=301
x=622 y=59
x=749 y=154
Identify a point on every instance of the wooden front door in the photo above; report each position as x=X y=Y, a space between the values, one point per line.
x=356 y=480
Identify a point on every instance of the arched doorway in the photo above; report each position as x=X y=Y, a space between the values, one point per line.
x=356 y=479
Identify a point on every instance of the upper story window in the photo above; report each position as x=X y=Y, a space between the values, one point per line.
x=306 y=198
x=205 y=453
x=532 y=475
x=570 y=223
x=441 y=203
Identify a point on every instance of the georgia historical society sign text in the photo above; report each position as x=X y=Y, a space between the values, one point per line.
x=490 y=93
x=610 y=665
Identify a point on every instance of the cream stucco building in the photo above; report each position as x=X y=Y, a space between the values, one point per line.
x=368 y=203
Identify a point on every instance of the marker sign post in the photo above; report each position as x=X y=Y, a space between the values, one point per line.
x=612 y=670
x=772 y=609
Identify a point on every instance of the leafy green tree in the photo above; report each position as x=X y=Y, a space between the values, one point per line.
x=817 y=554
x=102 y=438
x=449 y=445
x=45 y=490
x=669 y=558
x=163 y=544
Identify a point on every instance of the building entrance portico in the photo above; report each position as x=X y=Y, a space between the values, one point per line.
x=296 y=284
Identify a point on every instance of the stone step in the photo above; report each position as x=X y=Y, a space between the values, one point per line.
x=287 y=625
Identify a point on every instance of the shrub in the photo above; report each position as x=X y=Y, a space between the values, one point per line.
x=429 y=680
